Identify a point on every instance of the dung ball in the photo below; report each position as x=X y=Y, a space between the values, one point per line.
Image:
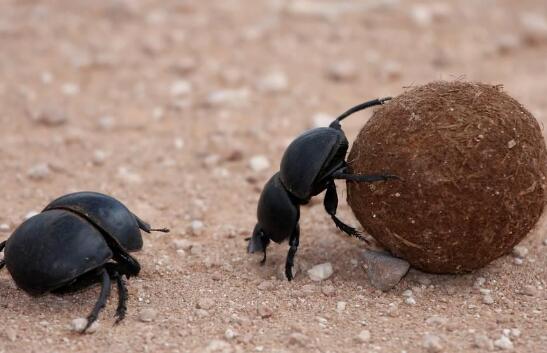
x=473 y=166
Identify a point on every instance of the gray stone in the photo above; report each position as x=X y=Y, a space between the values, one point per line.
x=432 y=343
x=384 y=270
x=483 y=342
x=320 y=272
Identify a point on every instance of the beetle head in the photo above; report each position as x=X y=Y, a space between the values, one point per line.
x=258 y=241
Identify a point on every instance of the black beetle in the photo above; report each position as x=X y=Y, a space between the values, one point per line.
x=309 y=166
x=70 y=245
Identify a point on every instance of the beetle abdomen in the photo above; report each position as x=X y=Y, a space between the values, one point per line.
x=306 y=157
x=277 y=213
x=107 y=213
x=51 y=249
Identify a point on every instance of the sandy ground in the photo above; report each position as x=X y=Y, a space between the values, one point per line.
x=163 y=104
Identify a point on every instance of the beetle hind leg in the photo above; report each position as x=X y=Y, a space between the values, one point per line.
x=114 y=270
x=331 y=204
x=293 y=243
x=101 y=301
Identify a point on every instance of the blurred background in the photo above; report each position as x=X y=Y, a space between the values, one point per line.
x=182 y=109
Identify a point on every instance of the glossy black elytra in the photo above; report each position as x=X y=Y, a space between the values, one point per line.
x=309 y=166
x=79 y=239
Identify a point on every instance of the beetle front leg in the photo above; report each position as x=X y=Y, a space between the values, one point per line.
x=364 y=178
x=294 y=241
x=331 y=204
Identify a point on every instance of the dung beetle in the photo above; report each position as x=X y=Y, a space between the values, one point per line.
x=78 y=240
x=309 y=165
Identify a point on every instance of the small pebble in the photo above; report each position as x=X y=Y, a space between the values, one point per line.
x=479 y=282
x=363 y=336
x=530 y=290
x=39 y=171
x=264 y=311
x=201 y=313
x=320 y=272
x=487 y=299
x=228 y=98
x=328 y=290
x=106 y=123
x=180 y=88
x=503 y=343
x=511 y=144
x=218 y=346
x=436 y=320
x=205 y=303
x=11 y=334
x=70 y=89
x=520 y=251
x=274 y=82
x=147 y=315
x=4 y=227
x=265 y=285
x=408 y=293
x=196 y=227
x=483 y=342
x=51 y=117
x=79 y=324
x=518 y=261
x=410 y=301
x=99 y=157
x=342 y=71
x=229 y=334
x=182 y=244
x=393 y=310
x=299 y=339
x=545 y=242
x=383 y=270
x=341 y=307
x=432 y=343
x=259 y=163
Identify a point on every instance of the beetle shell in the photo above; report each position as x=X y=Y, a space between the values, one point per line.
x=107 y=213
x=53 y=248
x=276 y=213
x=310 y=156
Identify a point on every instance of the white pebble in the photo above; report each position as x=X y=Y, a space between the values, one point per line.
x=273 y=82
x=196 y=227
x=363 y=336
x=341 y=306
x=259 y=163
x=180 y=88
x=545 y=242
x=179 y=143
x=70 y=89
x=520 y=251
x=218 y=346
x=421 y=15
x=4 y=227
x=39 y=171
x=79 y=324
x=320 y=272
x=128 y=176
x=408 y=293
x=205 y=303
x=182 y=244
x=511 y=144
x=483 y=342
x=479 y=282
x=99 y=157
x=432 y=343
x=410 y=301
x=230 y=334
x=237 y=97
x=106 y=122
x=148 y=315
x=487 y=299
x=518 y=261
x=503 y=343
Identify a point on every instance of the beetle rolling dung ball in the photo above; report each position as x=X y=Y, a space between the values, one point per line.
x=473 y=167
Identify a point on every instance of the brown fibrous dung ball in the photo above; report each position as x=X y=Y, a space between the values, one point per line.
x=473 y=167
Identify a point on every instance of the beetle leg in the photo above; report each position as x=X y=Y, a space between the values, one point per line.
x=293 y=243
x=331 y=204
x=2 y=246
x=364 y=178
x=122 y=298
x=101 y=301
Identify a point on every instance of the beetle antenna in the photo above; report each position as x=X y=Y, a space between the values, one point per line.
x=163 y=230
x=362 y=106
